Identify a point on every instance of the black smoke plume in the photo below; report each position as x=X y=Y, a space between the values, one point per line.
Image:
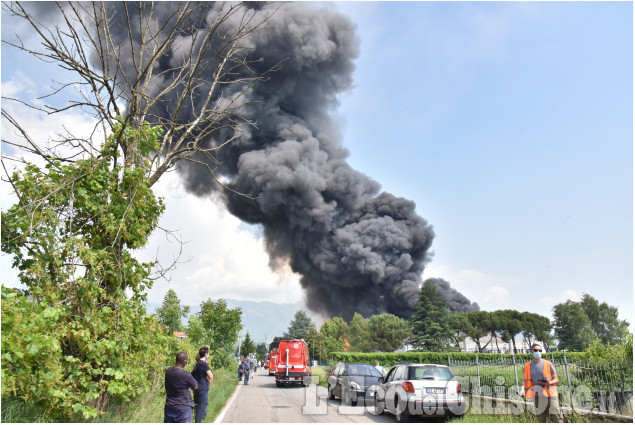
x=356 y=248
x=456 y=301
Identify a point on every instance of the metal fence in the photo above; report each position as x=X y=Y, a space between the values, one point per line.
x=584 y=385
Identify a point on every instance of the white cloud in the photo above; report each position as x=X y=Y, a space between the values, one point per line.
x=567 y=294
x=491 y=292
x=223 y=259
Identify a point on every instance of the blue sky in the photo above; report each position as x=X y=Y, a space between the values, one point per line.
x=510 y=126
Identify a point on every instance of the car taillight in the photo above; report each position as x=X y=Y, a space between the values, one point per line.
x=408 y=387
x=458 y=388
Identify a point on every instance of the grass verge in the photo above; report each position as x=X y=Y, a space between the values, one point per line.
x=148 y=408
x=321 y=372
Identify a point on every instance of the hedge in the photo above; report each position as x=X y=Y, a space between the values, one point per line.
x=439 y=358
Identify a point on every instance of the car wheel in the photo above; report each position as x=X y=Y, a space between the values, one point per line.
x=379 y=409
x=331 y=396
x=346 y=397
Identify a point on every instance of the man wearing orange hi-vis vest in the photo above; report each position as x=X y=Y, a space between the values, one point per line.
x=540 y=384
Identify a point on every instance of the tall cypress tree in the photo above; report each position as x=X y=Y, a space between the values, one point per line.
x=430 y=321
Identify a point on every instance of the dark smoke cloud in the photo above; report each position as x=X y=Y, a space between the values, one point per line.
x=357 y=250
x=456 y=301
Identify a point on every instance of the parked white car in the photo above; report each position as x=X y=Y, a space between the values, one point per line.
x=426 y=390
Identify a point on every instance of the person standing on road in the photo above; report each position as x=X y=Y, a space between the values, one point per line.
x=241 y=368
x=379 y=368
x=541 y=381
x=178 y=401
x=204 y=377
x=246 y=371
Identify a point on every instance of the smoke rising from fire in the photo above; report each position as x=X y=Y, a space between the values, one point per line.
x=456 y=301
x=357 y=249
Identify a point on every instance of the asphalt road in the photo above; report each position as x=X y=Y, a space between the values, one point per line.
x=261 y=401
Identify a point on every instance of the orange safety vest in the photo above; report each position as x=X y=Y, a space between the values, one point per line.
x=550 y=391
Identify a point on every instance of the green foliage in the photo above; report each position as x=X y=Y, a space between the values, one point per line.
x=316 y=342
x=604 y=321
x=435 y=357
x=388 y=332
x=461 y=328
x=359 y=334
x=299 y=326
x=170 y=312
x=600 y=352
x=247 y=346
x=221 y=326
x=79 y=332
x=578 y=324
x=195 y=331
x=572 y=326
x=261 y=351
x=335 y=331
x=536 y=328
x=430 y=321
x=275 y=342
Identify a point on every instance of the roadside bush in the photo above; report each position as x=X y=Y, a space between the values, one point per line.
x=437 y=358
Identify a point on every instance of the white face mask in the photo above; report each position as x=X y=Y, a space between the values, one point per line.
x=537 y=354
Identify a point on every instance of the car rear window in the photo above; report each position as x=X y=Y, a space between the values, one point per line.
x=430 y=372
x=362 y=370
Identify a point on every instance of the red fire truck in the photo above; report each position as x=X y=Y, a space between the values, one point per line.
x=273 y=362
x=294 y=363
x=266 y=362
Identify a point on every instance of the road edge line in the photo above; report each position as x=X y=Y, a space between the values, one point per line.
x=221 y=415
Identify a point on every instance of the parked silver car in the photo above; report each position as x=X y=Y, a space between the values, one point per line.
x=427 y=390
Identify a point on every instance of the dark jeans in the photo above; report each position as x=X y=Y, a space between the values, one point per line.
x=177 y=416
x=200 y=405
x=246 y=376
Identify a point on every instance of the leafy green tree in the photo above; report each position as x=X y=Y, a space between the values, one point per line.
x=275 y=343
x=461 y=328
x=604 y=321
x=78 y=330
x=536 y=328
x=261 y=351
x=388 y=332
x=299 y=326
x=222 y=326
x=316 y=341
x=430 y=321
x=195 y=331
x=171 y=312
x=359 y=334
x=572 y=326
x=335 y=331
x=509 y=322
x=480 y=324
x=247 y=346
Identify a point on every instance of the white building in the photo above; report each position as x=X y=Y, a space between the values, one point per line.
x=496 y=345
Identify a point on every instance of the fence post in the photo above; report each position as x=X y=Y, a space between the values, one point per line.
x=515 y=373
x=566 y=370
x=478 y=375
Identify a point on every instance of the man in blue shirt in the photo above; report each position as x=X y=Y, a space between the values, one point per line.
x=246 y=370
x=178 y=402
x=203 y=376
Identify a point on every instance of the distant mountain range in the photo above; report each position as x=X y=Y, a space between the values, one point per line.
x=262 y=319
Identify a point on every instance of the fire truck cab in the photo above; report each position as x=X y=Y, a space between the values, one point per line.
x=294 y=363
x=273 y=362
